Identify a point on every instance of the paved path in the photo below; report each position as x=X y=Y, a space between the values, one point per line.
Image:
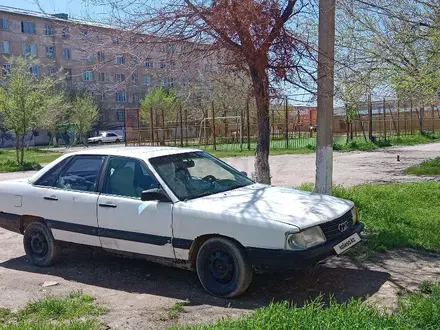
x=350 y=168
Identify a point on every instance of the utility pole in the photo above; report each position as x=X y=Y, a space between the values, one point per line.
x=324 y=140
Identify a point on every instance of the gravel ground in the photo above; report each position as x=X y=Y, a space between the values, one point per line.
x=140 y=293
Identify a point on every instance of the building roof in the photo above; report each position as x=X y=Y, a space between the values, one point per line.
x=54 y=17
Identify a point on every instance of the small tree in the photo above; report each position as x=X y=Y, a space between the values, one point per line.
x=159 y=103
x=24 y=100
x=84 y=112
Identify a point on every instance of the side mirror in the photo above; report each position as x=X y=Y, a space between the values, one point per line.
x=244 y=173
x=154 y=195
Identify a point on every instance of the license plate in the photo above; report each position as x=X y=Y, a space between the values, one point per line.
x=347 y=243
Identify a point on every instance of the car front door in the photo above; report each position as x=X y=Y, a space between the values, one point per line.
x=69 y=204
x=125 y=222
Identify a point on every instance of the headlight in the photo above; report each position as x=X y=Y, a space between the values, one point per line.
x=305 y=239
x=355 y=214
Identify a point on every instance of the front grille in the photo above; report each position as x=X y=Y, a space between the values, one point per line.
x=331 y=228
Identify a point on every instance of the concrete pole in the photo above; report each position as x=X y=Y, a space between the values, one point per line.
x=324 y=141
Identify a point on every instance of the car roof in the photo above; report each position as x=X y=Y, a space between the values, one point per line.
x=138 y=152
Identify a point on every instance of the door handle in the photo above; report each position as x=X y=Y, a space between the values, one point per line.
x=50 y=198
x=107 y=205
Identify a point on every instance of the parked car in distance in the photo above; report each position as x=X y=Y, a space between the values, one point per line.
x=106 y=137
x=177 y=206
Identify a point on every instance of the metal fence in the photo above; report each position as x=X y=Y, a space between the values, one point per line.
x=290 y=126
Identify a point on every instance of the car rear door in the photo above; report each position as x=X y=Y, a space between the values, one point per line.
x=125 y=222
x=69 y=204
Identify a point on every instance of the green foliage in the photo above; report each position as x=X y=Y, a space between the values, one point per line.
x=160 y=101
x=34 y=157
x=428 y=167
x=417 y=310
x=25 y=100
x=72 y=312
x=84 y=113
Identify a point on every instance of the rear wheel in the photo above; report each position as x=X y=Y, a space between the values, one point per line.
x=117 y=141
x=100 y=142
x=223 y=268
x=39 y=245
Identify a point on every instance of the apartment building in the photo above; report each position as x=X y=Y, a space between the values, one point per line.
x=118 y=66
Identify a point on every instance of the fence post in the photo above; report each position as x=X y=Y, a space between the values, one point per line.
x=421 y=113
x=398 y=117
x=287 y=123
x=138 y=126
x=248 y=122
x=186 y=127
x=370 y=118
x=125 y=127
x=241 y=129
x=273 y=124
x=433 y=118
x=410 y=117
x=384 y=104
x=213 y=126
x=152 y=125
x=181 y=124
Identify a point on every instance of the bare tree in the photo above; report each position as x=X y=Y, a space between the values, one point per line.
x=252 y=36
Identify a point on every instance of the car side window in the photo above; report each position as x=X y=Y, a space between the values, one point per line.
x=82 y=173
x=127 y=177
x=50 y=177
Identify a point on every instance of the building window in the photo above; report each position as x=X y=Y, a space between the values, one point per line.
x=4 y=23
x=119 y=59
x=87 y=76
x=167 y=82
x=28 y=27
x=5 y=47
x=101 y=76
x=66 y=53
x=68 y=73
x=120 y=115
x=48 y=30
x=136 y=98
x=134 y=78
x=121 y=97
x=34 y=70
x=49 y=52
x=65 y=32
x=163 y=64
x=119 y=77
x=6 y=69
x=148 y=80
x=148 y=63
x=116 y=41
x=134 y=60
x=29 y=49
x=90 y=59
x=51 y=70
x=101 y=57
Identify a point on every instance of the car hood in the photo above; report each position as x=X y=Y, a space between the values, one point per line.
x=267 y=203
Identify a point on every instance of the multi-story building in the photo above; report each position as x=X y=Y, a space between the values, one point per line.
x=118 y=66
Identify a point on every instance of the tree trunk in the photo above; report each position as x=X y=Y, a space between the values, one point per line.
x=22 y=150
x=261 y=89
x=17 y=147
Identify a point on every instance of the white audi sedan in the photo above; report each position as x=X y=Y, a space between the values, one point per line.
x=106 y=137
x=180 y=207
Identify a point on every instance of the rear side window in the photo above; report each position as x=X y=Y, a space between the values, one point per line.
x=50 y=177
x=82 y=174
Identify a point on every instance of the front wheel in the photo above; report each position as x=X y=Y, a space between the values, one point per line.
x=117 y=141
x=100 y=142
x=39 y=245
x=223 y=268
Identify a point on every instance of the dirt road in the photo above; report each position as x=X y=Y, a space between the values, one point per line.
x=350 y=168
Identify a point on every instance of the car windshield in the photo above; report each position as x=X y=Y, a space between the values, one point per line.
x=197 y=174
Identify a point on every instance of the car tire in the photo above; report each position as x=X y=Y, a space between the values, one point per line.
x=39 y=245
x=117 y=141
x=99 y=141
x=223 y=268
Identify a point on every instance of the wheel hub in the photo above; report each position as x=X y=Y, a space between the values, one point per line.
x=38 y=244
x=221 y=267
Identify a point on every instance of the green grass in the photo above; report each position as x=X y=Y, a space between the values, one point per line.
x=33 y=158
x=404 y=215
x=428 y=167
x=417 y=310
x=72 y=312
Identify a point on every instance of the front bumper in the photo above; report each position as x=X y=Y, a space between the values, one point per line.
x=287 y=259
